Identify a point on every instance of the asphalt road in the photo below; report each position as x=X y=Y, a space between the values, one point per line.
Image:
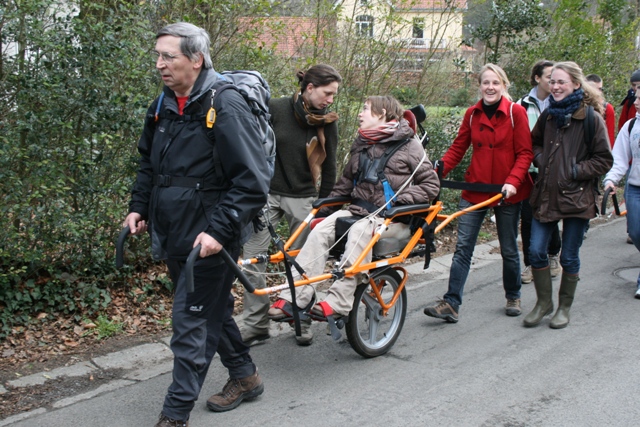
x=486 y=370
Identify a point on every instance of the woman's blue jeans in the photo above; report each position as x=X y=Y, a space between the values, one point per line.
x=572 y=236
x=507 y=218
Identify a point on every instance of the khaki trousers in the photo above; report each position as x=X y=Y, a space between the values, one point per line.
x=313 y=257
x=294 y=211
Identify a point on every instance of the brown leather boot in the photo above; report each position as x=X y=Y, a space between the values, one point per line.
x=235 y=391
x=165 y=421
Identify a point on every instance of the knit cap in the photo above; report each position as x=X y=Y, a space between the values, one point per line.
x=635 y=77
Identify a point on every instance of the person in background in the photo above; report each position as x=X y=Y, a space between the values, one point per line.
x=306 y=143
x=566 y=187
x=609 y=112
x=626 y=161
x=498 y=132
x=535 y=103
x=180 y=199
x=628 y=109
x=609 y=116
x=629 y=112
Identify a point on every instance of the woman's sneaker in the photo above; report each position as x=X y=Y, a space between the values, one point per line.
x=526 y=276
x=513 y=307
x=554 y=265
x=442 y=310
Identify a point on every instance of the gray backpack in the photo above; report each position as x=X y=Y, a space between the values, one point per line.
x=256 y=92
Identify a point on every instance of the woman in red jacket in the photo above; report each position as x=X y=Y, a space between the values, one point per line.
x=498 y=131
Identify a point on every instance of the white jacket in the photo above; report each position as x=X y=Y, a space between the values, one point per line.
x=626 y=151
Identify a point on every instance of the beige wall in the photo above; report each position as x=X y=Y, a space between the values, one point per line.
x=443 y=28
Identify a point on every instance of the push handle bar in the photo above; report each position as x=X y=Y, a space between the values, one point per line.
x=120 y=246
x=614 y=198
x=195 y=254
x=191 y=259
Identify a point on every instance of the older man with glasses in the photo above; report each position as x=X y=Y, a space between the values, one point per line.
x=183 y=201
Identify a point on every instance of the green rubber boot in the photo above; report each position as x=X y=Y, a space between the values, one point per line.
x=544 y=304
x=568 y=285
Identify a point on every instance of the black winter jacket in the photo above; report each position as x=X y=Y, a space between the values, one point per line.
x=178 y=147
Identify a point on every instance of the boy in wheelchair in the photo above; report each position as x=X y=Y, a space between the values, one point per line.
x=387 y=167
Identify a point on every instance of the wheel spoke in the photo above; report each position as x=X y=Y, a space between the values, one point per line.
x=370 y=301
x=373 y=330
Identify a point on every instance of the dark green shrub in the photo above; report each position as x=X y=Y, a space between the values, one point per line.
x=76 y=95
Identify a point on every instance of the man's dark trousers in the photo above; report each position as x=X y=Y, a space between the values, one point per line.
x=203 y=325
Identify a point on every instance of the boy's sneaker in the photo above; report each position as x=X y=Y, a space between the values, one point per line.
x=526 y=276
x=442 y=310
x=513 y=307
x=629 y=241
x=235 y=391
x=554 y=265
x=638 y=293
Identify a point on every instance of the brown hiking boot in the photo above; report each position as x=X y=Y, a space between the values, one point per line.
x=235 y=391
x=513 y=307
x=442 y=310
x=165 y=421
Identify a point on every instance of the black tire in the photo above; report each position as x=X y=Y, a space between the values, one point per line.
x=371 y=334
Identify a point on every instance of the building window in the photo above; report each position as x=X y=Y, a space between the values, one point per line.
x=364 y=3
x=418 y=28
x=364 y=25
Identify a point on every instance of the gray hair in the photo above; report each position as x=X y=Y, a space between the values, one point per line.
x=194 y=41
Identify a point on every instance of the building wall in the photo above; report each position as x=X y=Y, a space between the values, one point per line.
x=442 y=25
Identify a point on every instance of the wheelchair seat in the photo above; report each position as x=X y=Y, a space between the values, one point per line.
x=392 y=240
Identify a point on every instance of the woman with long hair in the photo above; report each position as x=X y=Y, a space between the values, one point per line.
x=571 y=150
x=535 y=103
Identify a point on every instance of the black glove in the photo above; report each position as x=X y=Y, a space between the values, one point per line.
x=258 y=223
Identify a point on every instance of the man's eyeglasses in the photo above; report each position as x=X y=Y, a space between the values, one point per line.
x=558 y=82
x=167 y=57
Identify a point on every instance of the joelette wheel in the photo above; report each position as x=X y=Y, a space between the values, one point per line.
x=371 y=333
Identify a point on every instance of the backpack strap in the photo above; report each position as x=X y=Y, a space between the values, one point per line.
x=159 y=106
x=513 y=126
x=389 y=194
x=589 y=129
x=380 y=163
x=218 y=87
x=633 y=122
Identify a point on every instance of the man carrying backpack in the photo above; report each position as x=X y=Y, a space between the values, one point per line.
x=184 y=202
